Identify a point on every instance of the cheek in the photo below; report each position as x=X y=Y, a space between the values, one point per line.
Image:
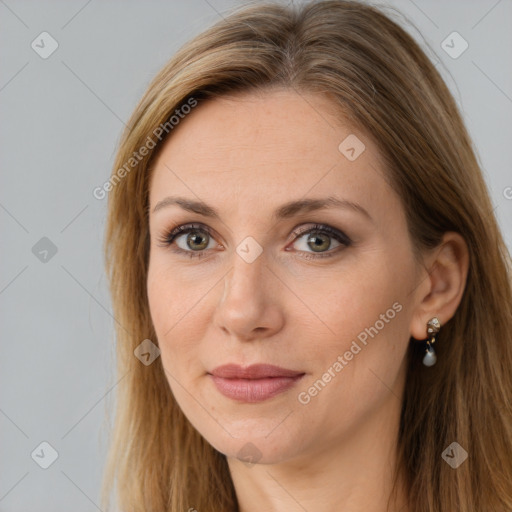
x=176 y=304
x=173 y=293
x=343 y=303
x=163 y=309
x=357 y=362
x=360 y=316
x=168 y=306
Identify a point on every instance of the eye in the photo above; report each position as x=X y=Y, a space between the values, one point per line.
x=190 y=239
x=320 y=239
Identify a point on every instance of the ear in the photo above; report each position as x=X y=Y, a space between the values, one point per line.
x=442 y=284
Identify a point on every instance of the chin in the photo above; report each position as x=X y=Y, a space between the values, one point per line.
x=256 y=449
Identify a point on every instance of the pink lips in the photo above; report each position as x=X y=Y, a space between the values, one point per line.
x=254 y=383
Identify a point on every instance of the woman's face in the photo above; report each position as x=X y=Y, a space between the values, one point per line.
x=266 y=276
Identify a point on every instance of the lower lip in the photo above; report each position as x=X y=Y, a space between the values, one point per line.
x=254 y=390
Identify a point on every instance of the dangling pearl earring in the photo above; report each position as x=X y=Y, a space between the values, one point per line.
x=433 y=327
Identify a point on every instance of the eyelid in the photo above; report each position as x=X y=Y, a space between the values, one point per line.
x=170 y=235
x=323 y=228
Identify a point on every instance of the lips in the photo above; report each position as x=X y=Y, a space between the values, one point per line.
x=255 y=371
x=255 y=383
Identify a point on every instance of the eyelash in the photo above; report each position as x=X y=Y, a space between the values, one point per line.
x=168 y=239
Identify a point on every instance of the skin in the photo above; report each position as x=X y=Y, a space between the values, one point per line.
x=246 y=155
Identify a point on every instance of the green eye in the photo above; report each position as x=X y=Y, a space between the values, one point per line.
x=197 y=241
x=320 y=238
x=319 y=242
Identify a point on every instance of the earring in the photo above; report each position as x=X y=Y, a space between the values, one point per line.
x=433 y=327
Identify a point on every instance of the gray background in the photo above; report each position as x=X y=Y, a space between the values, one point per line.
x=61 y=119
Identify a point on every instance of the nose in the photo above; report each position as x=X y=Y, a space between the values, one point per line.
x=249 y=307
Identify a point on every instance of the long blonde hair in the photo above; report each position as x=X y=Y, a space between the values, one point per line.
x=385 y=84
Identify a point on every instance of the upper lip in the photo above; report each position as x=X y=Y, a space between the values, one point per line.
x=254 y=371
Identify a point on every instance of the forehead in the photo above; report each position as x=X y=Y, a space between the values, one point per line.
x=267 y=145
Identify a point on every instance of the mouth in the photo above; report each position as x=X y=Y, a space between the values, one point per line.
x=254 y=383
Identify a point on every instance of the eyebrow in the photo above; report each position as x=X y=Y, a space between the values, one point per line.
x=285 y=211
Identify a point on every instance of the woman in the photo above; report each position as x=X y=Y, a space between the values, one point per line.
x=312 y=293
